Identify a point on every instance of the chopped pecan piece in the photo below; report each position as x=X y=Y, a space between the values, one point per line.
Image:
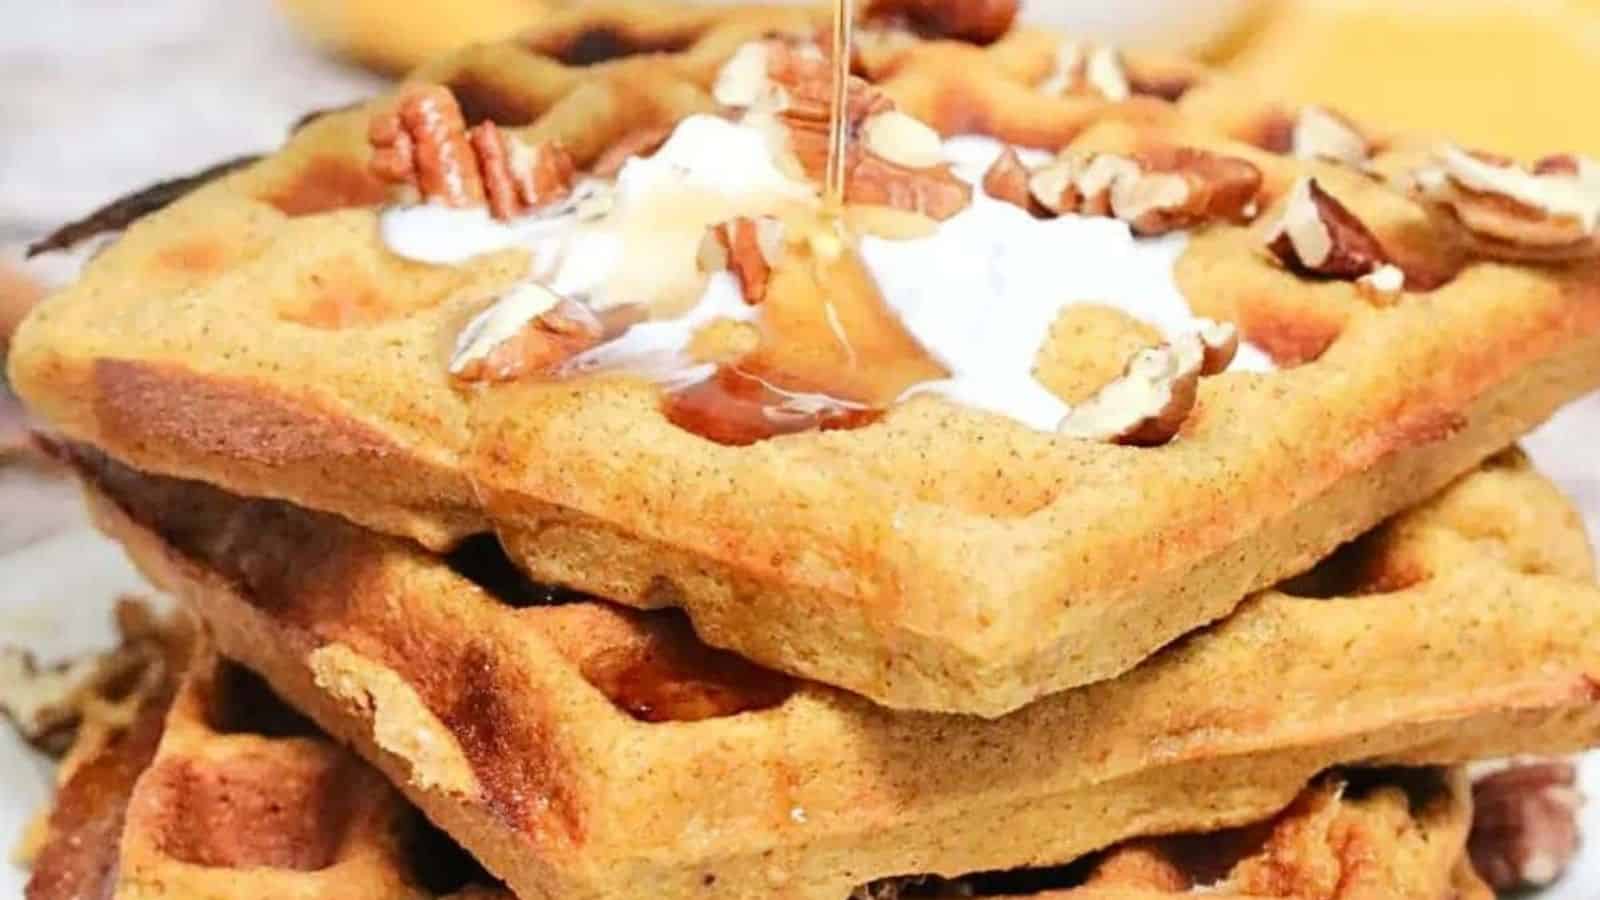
x=1317 y=235
x=423 y=142
x=1146 y=406
x=1215 y=344
x=900 y=139
x=975 y=21
x=749 y=248
x=532 y=330
x=1321 y=133
x=891 y=158
x=1155 y=191
x=1525 y=828
x=1007 y=179
x=936 y=193
x=1549 y=213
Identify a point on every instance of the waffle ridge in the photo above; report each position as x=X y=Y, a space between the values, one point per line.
x=842 y=557
x=500 y=720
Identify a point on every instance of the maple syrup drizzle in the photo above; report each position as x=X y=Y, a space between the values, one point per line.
x=827 y=352
x=838 y=137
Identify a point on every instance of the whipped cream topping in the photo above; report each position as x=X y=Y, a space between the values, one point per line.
x=655 y=351
x=980 y=294
x=633 y=243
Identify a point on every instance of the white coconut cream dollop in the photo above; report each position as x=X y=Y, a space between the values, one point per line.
x=980 y=293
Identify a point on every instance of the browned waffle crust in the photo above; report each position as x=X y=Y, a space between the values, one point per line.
x=580 y=750
x=214 y=788
x=217 y=789
x=259 y=336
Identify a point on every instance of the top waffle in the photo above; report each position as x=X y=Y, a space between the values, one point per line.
x=989 y=536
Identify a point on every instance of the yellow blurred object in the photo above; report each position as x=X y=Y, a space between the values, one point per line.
x=395 y=37
x=1513 y=76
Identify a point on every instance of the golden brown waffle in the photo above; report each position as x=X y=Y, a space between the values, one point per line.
x=259 y=336
x=579 y=749
x=214 y=788
x=228 y=792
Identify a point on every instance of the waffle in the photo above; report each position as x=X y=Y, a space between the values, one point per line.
x=211 y=787
x=259 y=335
x=578 y=748
x=227 y=790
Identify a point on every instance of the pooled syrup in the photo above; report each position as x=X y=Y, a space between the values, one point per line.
x=830 y=354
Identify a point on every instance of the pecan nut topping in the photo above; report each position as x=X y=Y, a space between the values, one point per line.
x=1007 y=179
x=530 y=331
x=1549 y=212
x=1148 y=404
x=1321 y=133
x=750 y=248
x=1317 y=235
x=424 y=143
x=1525 y=828
x=517 y=177
x=1155 y=191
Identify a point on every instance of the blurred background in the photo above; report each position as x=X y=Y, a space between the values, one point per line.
x=102 y=97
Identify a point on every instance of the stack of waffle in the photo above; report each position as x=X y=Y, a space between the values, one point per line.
x=539 y=434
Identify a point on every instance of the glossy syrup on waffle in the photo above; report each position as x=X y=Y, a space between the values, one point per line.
x=830 y=358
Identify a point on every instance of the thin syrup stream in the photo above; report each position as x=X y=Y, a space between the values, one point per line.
x=838 y=136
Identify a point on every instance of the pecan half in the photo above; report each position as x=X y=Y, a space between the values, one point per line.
x=519 y=178
x=530 y=331
x=1155 y=191
x=1549 y=213
x=1321 y=133
x=1318 y=235
x=1525 y=828
x=749 y=248
x=423 y=142
x=974 y=21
